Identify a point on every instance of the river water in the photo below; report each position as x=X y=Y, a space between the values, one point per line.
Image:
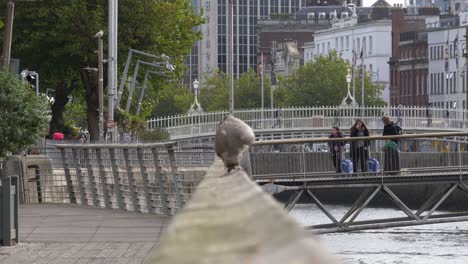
x=425 y=244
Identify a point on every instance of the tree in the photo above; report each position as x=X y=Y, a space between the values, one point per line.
x=24 y=115
x=174 y=99
x=323 y=82
x=54 y=37
x=214 y=95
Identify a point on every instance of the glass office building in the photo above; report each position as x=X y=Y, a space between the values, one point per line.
x=245 y=16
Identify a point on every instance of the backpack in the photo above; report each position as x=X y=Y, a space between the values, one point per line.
x=399 y=130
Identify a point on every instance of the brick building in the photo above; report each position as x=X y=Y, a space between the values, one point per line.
x=409 y=60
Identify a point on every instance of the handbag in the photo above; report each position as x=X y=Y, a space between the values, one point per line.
x=390 y=144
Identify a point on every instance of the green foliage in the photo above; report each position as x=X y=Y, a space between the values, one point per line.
x=55 y=37
x=214 y=95
x=23 y=115
x=128 y=123
x=158 y=134
x=323 y=82
x=75 y=114
x=173 y=99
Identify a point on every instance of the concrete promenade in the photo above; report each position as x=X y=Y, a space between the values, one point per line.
x=72 y=234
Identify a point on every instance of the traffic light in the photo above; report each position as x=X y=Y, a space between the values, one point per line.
x=32 y=78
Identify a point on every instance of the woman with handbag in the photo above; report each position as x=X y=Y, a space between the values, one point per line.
x=391 y=152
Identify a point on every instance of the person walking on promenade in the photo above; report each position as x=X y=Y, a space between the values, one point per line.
x=336 y=148
x=359 y=149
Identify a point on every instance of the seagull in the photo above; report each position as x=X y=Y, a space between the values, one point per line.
x=99 y=34
x=233 y=137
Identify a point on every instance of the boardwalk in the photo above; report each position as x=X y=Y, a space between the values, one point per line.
x=72 y=234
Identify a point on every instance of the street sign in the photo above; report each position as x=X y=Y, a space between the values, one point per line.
x=110 y=123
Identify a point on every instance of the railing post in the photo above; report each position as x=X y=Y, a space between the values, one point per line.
x=131 y=181
x=91 y=177
x=79 y=177
x=115 y=174
x=145 y=182
x=102 y=175
x=172 y=163
x=159 y=178
x=71 y=192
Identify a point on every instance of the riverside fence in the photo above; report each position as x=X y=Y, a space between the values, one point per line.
x=150 y=178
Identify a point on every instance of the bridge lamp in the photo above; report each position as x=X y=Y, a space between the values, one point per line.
x=195 y=86
x=348 y=78
x=195 y=108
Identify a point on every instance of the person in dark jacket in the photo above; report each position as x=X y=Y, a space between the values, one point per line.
x=391 y=152
x=359 y=152
x=336 y=148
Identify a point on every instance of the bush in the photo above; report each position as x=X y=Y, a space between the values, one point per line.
x=158 y=134
x=24 y=116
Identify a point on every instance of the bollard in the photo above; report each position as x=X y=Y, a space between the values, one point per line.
x=9 y=210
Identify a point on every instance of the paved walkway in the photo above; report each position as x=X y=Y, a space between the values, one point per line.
x=71 y=234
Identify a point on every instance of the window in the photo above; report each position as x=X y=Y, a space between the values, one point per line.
x=364 y=45
x=463 y=85
x=347 y=42
x=336 y=43
x=417 y=83
x=358 y=50
x=447 y=85
x=370 y=45
x=454 y=82
x=432 y=83
x=341 y=44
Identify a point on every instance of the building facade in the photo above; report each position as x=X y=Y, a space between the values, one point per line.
x=447 y=67
x=409 y=60
x=409 y=72
x=214 y=46
x=348 y=38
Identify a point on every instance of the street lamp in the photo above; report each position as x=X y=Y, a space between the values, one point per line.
x=195 y=108
x=348 y=79
x=195 y=87
x=100 y=82
x=348 y=96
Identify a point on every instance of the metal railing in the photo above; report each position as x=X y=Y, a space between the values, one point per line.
x=311 y=158
x=151 y=178
x=430 y=119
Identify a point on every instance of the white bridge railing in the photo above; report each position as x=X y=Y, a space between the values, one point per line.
x=318 y=118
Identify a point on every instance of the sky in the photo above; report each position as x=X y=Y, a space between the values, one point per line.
x=370 y=2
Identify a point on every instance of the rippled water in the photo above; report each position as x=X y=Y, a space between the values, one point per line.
x=426 y=244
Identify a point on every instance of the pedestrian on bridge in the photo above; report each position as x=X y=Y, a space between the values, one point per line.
x=336 y=148
x=359 y=149
x=391 y=152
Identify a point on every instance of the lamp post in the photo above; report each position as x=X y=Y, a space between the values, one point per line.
x=100 y=82
x=230 y=54
x=195 y=88
x=195 y=108
x=348 y=80
x=8 y=36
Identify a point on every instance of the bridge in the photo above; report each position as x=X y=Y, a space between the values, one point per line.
x=297 y=122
